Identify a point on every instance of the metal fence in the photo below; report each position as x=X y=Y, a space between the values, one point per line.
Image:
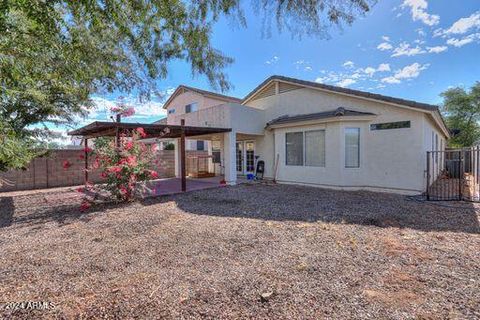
x=453 y=175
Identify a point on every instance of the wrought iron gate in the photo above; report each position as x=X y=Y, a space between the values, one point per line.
x=453 y=175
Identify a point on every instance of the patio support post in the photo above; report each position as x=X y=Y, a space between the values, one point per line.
x=211 y=165
x=178 y=158
x=229 y=159
x=117 y=131
x=86 y=161
x=182 y=154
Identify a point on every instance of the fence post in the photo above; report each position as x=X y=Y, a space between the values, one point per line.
x=460 y=173
x=428 y=175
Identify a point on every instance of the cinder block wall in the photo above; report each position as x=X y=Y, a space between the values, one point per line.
x=48 y=172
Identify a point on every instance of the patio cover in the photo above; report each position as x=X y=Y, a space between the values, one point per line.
x=114 y=129
x=153 y=130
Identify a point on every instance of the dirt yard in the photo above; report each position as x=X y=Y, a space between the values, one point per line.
x=250 y=251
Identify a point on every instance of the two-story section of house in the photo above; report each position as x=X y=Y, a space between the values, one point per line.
x=187 y=100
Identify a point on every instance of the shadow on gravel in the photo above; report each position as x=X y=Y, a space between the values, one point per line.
x=35 y=210
x=7 y=209
x=298 y=203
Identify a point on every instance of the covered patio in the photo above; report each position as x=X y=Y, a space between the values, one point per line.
x=179 y=133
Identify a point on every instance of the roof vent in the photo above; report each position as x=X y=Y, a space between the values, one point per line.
x=340 y=112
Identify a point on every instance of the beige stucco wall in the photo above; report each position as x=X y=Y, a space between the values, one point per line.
x=188 y=97
x=390 y=160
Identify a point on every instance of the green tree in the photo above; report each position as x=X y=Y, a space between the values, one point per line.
x=462 y=115
x=15 y=152
x=55 y=54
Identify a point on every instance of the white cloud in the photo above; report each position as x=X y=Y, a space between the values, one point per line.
x=408 y=72
x=143 y=109
x=404 y=49
x=418 y=10
x=463 y=25
x=421 y=32
x=302 y=64
x=348 y=64
x=346 y=82
x=437 y=49
x=463 y=41
x=391 y=80
x=370 y=71
x=383 y=67
x=384 y=46
x=274 y=60
x=356 y=75
x=386 y=38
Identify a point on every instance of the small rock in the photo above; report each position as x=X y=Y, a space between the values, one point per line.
x=265 y=296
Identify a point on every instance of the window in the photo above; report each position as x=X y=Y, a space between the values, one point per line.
x=294 y=148
x=390 y=125
x=200 y=145
x=216 y=153
x=192 y=107
x=315 y=148
x=352 y=147
x=170 y=111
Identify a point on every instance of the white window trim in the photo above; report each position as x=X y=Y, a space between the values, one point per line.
x=304 y=149
x=189 y=104
x=345 y=148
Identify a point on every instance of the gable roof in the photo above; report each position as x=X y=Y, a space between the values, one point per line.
x=182 y=89
x=433 y=110
x=363 y=94
x=337 y=113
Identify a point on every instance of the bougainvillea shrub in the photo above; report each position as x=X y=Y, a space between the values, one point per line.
x=123 y=109
x=124 y=166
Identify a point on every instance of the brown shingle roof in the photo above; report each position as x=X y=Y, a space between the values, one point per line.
x=364 y=94
x=202 y=92
x=339 y=112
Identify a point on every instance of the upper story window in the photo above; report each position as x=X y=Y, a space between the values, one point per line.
x=192 y=107
x=170 y=111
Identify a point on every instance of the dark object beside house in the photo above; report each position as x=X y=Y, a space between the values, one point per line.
x=260 y=170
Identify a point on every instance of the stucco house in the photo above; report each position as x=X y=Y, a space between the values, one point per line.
x=315 y=134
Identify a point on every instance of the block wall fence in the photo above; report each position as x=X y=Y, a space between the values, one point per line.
x=48 y=171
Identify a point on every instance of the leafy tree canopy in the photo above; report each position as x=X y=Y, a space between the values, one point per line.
x=462 y=115
x=54 y=54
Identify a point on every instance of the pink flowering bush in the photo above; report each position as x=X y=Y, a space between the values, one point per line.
x=123 y=167
x=123 y=109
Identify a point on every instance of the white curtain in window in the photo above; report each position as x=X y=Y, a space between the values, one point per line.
x=315 y=148
x=294 y=148
x=352 y=147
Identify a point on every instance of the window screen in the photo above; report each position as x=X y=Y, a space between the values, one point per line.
x=315 y=148
x=192 y=107
x=294 y=148
x=200 y=145
x=352 y=147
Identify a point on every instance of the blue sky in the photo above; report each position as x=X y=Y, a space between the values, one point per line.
x=412 y=49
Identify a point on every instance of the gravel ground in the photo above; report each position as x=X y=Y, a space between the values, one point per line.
x=250 y=251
